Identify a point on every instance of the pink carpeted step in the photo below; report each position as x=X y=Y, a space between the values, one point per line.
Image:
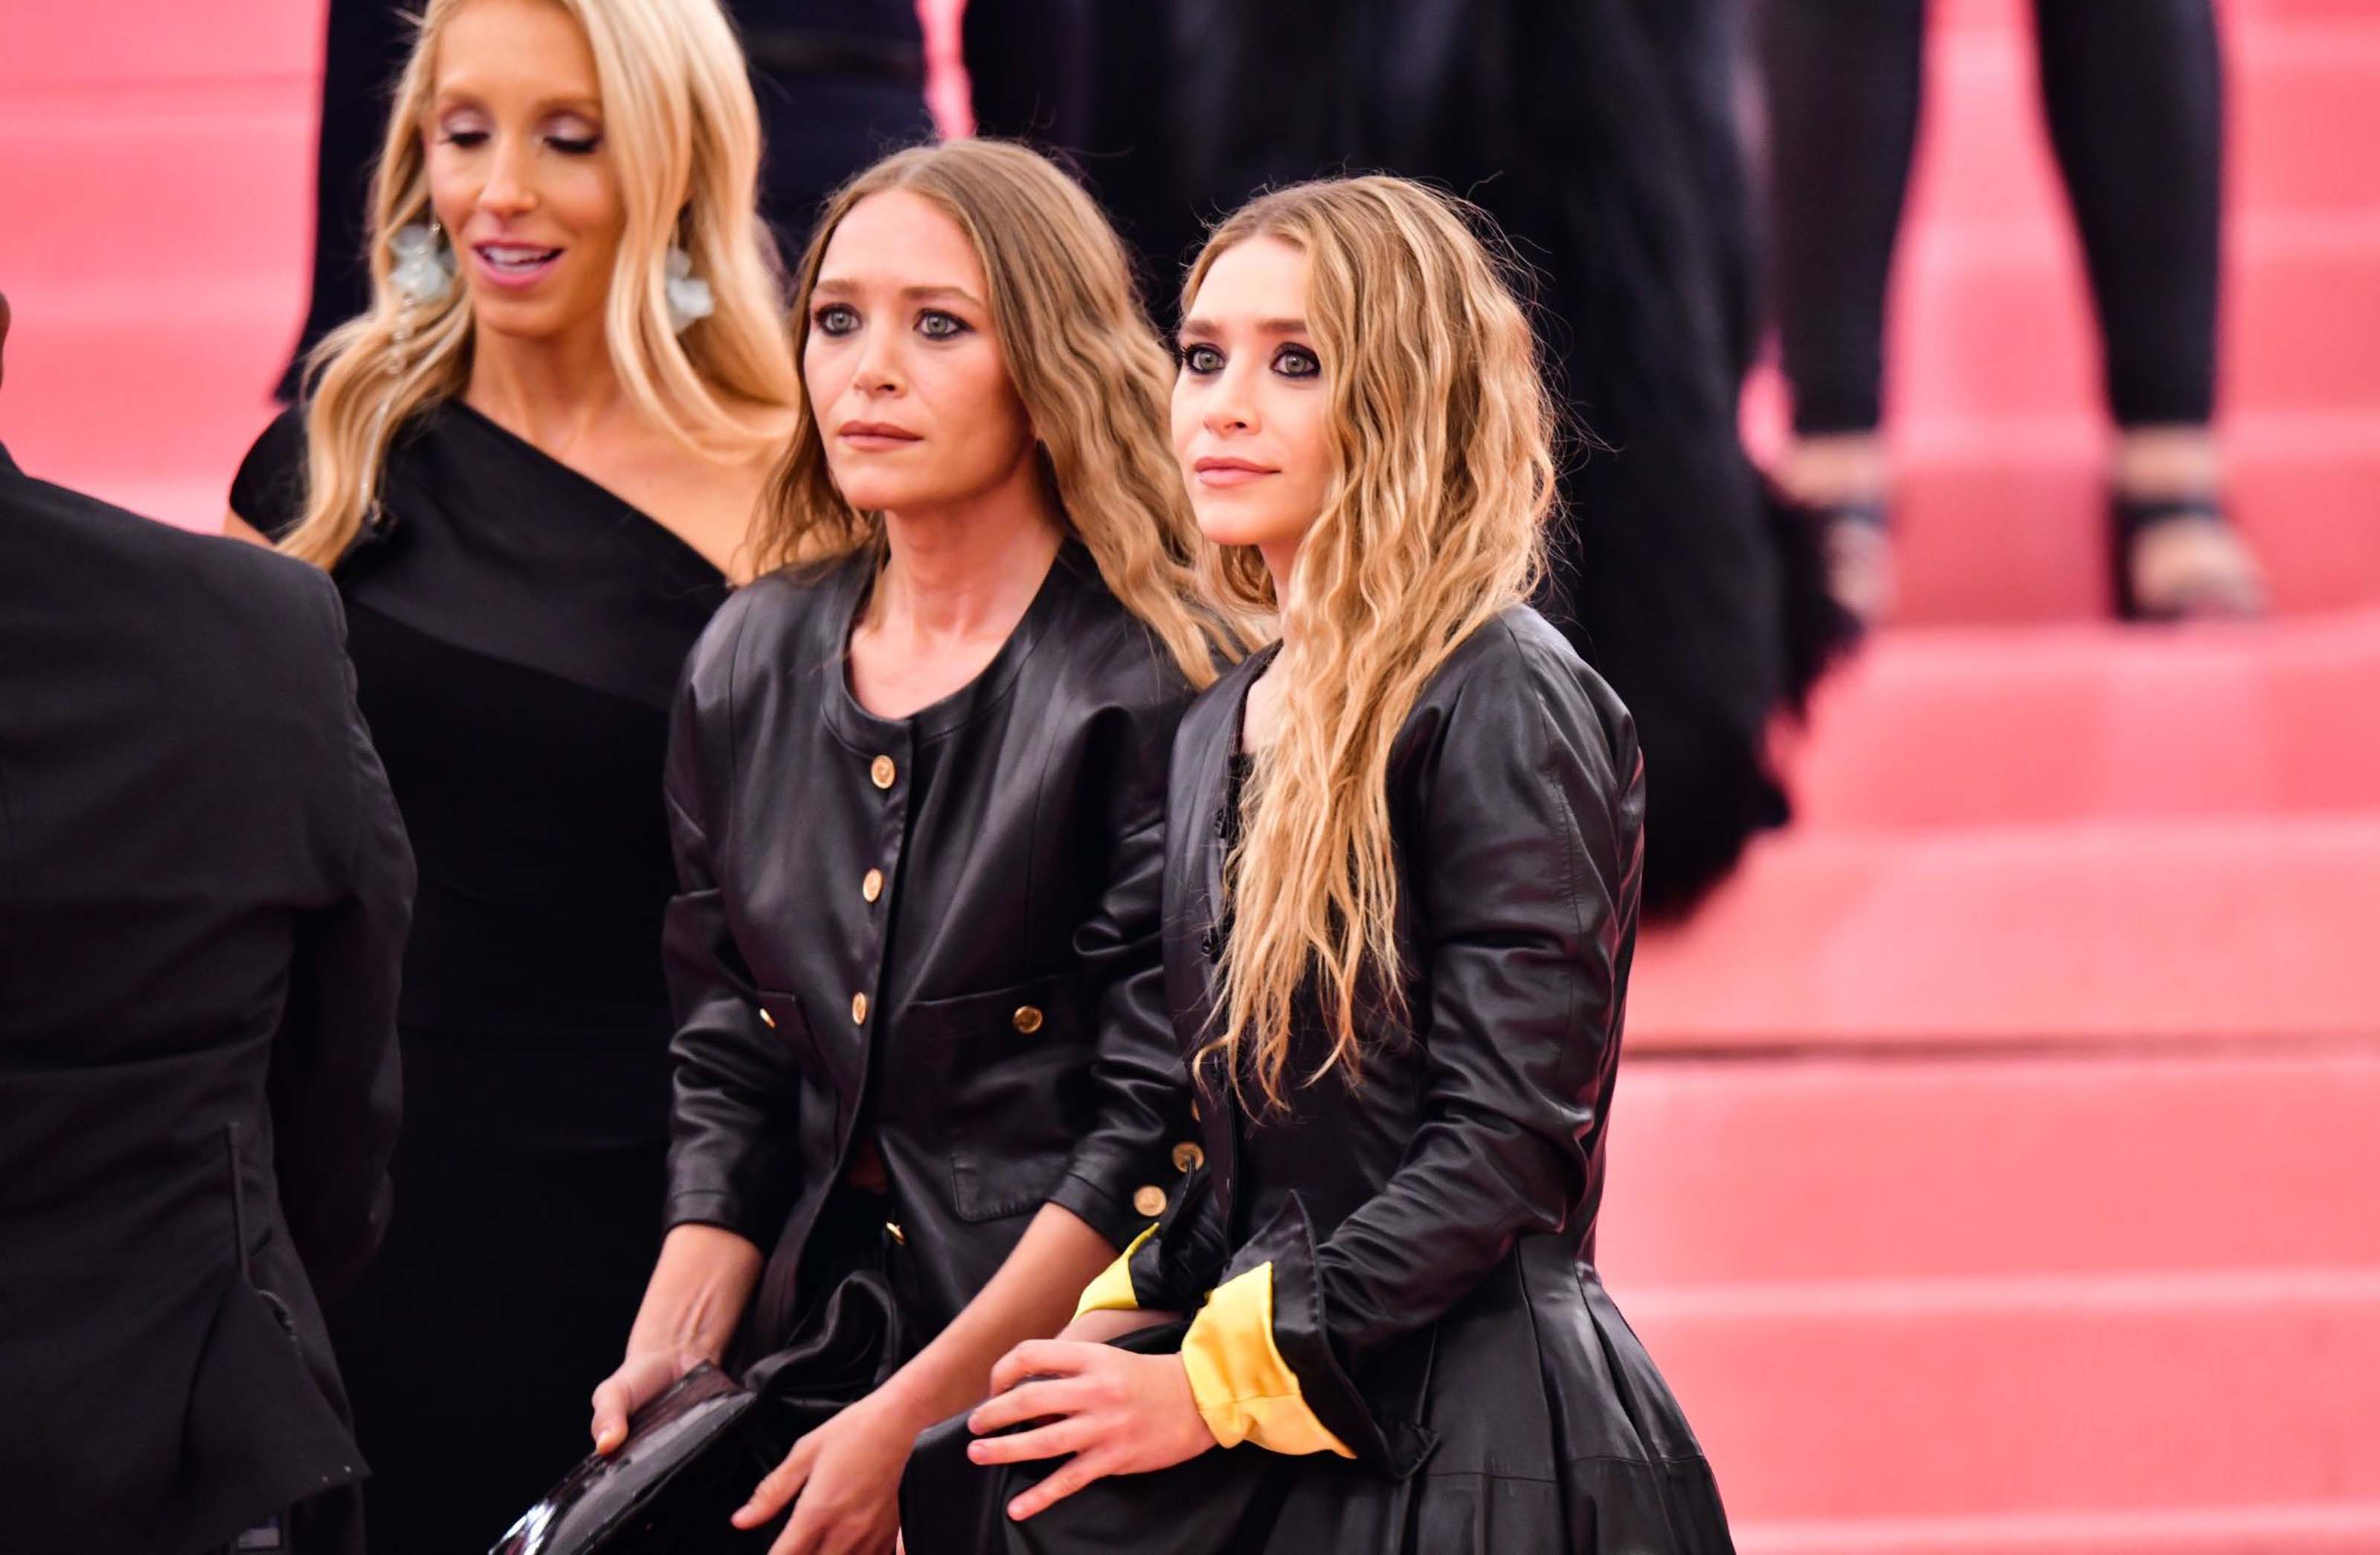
x=1991 y=329
x=115 y=43
x=168 y=188
x=1851 y=1166
x=152 y=413
x=2106 y=1394
x=2305 y=1528
x=1966 y=726
x=2104 y=931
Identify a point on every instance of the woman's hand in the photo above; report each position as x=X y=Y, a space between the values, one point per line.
x=699 y=1285
x=642 y=1377
x=844 y=1481
x=1116 y=1412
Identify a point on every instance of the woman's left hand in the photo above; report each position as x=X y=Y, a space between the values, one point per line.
x=844 y=1481
x=1116 y=1412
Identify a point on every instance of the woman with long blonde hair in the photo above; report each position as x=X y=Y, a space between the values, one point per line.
x=925 y=1085
x=1402 y=866
x=532 y=468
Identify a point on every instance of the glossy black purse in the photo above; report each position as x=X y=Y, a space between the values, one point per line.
x=688 y=1462
x=694 y=1452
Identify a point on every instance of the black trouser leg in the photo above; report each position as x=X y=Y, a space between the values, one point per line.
x=2133 y=90
x=1843 y=80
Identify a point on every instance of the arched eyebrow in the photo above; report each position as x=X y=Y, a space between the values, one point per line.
x=463 y=94
x=836 y=285
x=1263 y=326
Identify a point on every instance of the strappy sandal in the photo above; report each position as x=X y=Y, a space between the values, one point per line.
x=1859 y=560
x=2180 y=559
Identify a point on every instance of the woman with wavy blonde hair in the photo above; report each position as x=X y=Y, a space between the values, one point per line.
x=531 y=469
x=1402 y=866
x=926 y=1088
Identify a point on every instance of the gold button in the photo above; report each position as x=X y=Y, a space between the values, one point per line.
x=871 y=884
x=892 y=1229
x=768 y=1020
x=881 y=771
x=1028 y=1019
x=1150 y=1200
x=1188 y=1157
x=859 y=1009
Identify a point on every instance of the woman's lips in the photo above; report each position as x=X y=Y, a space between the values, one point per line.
x=1228 y=472
x=515 y=265
x=875 y=436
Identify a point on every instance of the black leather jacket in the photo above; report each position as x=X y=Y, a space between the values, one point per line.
x=939 y=932
x=1428 y=1235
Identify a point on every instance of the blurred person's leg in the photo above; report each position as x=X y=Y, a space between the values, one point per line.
x=1843 y=81
x=2133 y=90
x=364 y=46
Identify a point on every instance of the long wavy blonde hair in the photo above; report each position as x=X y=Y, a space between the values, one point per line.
x=1093 y=376
x=683 y=136
x=1433 y=521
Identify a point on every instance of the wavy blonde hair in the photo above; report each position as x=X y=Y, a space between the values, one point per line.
x=684 y=135
x=1093 y=376
x=1433 y=521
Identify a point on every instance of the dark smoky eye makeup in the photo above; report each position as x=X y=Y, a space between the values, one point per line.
x=1198 y=356
x=936 y=325
x=1296 y=361
x=834 y=318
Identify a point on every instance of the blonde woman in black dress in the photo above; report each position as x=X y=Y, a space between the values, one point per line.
x=531 y=469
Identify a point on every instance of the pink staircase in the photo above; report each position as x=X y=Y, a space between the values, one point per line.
x=1995 y=1165
x=1998 y=1162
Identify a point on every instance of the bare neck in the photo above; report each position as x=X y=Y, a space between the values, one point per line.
x=552 y=390
x=969 y=568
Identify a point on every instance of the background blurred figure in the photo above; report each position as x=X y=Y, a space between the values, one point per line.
x=839 y=83
x=203 y=892
x=1602 y=136
x=2133 y=92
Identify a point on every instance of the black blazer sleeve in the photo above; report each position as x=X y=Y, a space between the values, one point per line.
x=735 y=1154
x=1523 y=856
x=1138 y=1074
x=334 y=1083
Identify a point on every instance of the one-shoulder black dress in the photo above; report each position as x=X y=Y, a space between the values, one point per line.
x=517 y=633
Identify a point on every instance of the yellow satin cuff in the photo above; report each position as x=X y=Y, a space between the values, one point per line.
x=1244 y=1390
x=1112 y=1292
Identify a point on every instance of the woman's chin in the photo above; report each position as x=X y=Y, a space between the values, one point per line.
x=1238 y=529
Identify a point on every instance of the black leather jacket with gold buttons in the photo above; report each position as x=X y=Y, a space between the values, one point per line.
x=938 y=934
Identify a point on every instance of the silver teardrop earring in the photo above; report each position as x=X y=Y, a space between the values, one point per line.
x=424 y=272
x=688 y=295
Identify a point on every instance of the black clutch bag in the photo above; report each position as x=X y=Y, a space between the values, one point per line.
x=688 y=1464
x=694 y=1453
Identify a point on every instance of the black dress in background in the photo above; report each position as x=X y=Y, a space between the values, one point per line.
x=1601 y=135
x=517 y=633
